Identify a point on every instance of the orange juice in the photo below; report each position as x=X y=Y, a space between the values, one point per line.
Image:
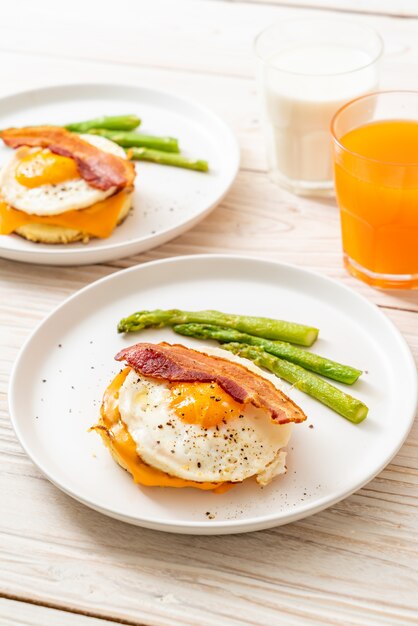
x=376 y=182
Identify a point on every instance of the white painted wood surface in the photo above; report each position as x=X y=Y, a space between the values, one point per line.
x=27 y=614
x=396 y=8
x=353 y=564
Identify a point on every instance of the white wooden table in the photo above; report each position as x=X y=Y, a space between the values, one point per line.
x=63 y=564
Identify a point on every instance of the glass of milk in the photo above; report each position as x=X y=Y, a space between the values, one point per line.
x=306 y=70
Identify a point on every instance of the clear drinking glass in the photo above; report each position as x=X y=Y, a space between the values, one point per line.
x=375 y=141
x=306 y=70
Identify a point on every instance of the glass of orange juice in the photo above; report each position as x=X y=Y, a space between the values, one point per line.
x=375 y=149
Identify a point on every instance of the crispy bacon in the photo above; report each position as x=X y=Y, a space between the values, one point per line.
x=100 y=169
x=178 y=363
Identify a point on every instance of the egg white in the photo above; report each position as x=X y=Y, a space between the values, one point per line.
x=54 y=199
x=243 y=447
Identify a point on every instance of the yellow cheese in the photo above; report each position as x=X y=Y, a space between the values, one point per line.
x=98 y=220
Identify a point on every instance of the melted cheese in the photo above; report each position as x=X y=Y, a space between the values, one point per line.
x=98 y=220
x=117 y=437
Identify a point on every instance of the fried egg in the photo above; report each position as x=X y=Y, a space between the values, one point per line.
x=39 y=182
x=198 y=432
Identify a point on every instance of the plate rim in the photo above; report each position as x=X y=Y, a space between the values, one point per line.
x=225 y=526
x=46 y=256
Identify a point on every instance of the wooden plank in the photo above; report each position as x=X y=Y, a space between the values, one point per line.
x=205 y=36
x=14 y=613
x=395 y=8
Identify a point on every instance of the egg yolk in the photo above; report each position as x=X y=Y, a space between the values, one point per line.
x=45 y=168
x=206 y=404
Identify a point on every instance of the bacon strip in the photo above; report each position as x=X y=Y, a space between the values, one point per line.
x=100 y=169
x=178 y=363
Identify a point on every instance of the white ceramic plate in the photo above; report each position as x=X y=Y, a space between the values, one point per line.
x=167 y=200
x=63 y=369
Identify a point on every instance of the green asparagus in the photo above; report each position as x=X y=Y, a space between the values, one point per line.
x=259 y=326
x=167 y=158
x=128 y=139
x=352 y=409
x=114 y=122
x=308 y=360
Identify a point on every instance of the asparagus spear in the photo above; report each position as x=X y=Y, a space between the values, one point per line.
x=352 y=409
x=308 y=360
x=259 y=326
x=128 y=139
x=112 y=122
x=168 y=158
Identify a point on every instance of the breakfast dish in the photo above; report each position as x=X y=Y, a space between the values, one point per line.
x=177 y=417
x=166 y=200
x=74 y=182
x=60 y=187
x=327 y=457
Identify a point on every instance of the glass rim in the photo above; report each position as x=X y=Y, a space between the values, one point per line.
x=347 y=105
x=338 y=20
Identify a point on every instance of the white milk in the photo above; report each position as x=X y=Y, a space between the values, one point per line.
x=303 y=87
